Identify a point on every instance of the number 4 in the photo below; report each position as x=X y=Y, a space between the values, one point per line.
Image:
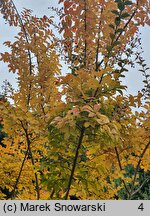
x=141 y=207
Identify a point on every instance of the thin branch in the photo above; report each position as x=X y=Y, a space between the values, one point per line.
x=33 y=163
x=127 y=23
x=75 y=162
x=138 y=165
x=52 y=193
x=100 y=80
x=120 y=166
x=32 y=160
x=19 y=175
x=146 y=180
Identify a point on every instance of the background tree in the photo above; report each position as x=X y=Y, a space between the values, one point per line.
x=33 y=57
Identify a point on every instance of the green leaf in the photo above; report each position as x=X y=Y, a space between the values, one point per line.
x=117 y=21
x=121 y=75
x=145 y=81
x=120 y=91
x=128 y=3
x=121 y=6
x=123 y=70
x=124 y=15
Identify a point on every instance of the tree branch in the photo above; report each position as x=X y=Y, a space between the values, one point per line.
x=32 y=160
x=75 y=162
x=120 y=166
x=19 y=175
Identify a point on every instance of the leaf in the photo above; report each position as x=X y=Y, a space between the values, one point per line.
x=111 y=26
x=128 y=3
x=118 y=1
x=121 y=75
x=87 y=108
x=119 y=30
x=91 y=114
x=102 y=119
x=121 y=6
x=115 y=12
x=124 y=15
x=87 y=124
x=97 y=107
x=121 y=92
x=117 y=21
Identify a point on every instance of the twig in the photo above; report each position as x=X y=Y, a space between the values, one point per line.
x=120 y=166
x=138 y=165
x=132 y=194
x=125 y=26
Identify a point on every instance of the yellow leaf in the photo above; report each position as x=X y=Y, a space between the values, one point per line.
x=86 y=124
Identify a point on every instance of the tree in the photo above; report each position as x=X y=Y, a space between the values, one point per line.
x=81 y=146
x=34 y=59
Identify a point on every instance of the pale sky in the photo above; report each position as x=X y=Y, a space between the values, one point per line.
x=40 y=7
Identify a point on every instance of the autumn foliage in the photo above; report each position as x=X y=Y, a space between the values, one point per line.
x=78 y=134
